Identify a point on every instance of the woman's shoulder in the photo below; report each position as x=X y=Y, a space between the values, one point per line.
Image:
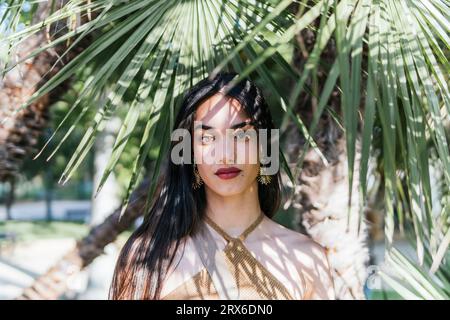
x=279 y=232
x=306 y=250
x=309 y=257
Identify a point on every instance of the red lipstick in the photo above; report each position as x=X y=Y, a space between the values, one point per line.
x=227 y=173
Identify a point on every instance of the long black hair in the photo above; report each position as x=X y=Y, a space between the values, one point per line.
x=177 y=208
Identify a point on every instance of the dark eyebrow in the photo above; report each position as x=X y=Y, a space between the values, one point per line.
x=235 y=126
x=240 y=125
x=203 y=126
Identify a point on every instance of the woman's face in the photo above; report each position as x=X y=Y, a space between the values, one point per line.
x=227 y=160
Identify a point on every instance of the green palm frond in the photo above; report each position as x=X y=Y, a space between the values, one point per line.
x=174 y=43
x=414 y=282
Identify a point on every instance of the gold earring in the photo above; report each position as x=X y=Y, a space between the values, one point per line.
x=197 y=179
x=264 y=178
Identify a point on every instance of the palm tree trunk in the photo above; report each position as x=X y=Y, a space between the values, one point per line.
x=323 y=214
x=20 y=133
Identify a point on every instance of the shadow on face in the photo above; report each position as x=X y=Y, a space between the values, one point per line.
x=225 y=146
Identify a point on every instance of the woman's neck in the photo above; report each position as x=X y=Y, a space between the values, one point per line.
x=233 y=213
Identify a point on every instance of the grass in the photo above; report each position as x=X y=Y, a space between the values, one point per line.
x=32 y=230
x=35 y=230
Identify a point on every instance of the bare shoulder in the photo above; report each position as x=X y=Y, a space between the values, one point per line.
x=309 y=257
x=306 y=251
x=290 y=237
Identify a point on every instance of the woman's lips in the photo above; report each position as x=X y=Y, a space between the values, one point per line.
x=227 y=173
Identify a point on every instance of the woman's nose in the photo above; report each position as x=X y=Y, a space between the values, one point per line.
x=227 y=152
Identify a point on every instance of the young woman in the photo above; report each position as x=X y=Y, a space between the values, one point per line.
x=209 y=232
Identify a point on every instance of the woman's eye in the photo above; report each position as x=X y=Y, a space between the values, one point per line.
x=207 y=139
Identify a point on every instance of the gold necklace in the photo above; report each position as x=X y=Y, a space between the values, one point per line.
x=243 y=235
